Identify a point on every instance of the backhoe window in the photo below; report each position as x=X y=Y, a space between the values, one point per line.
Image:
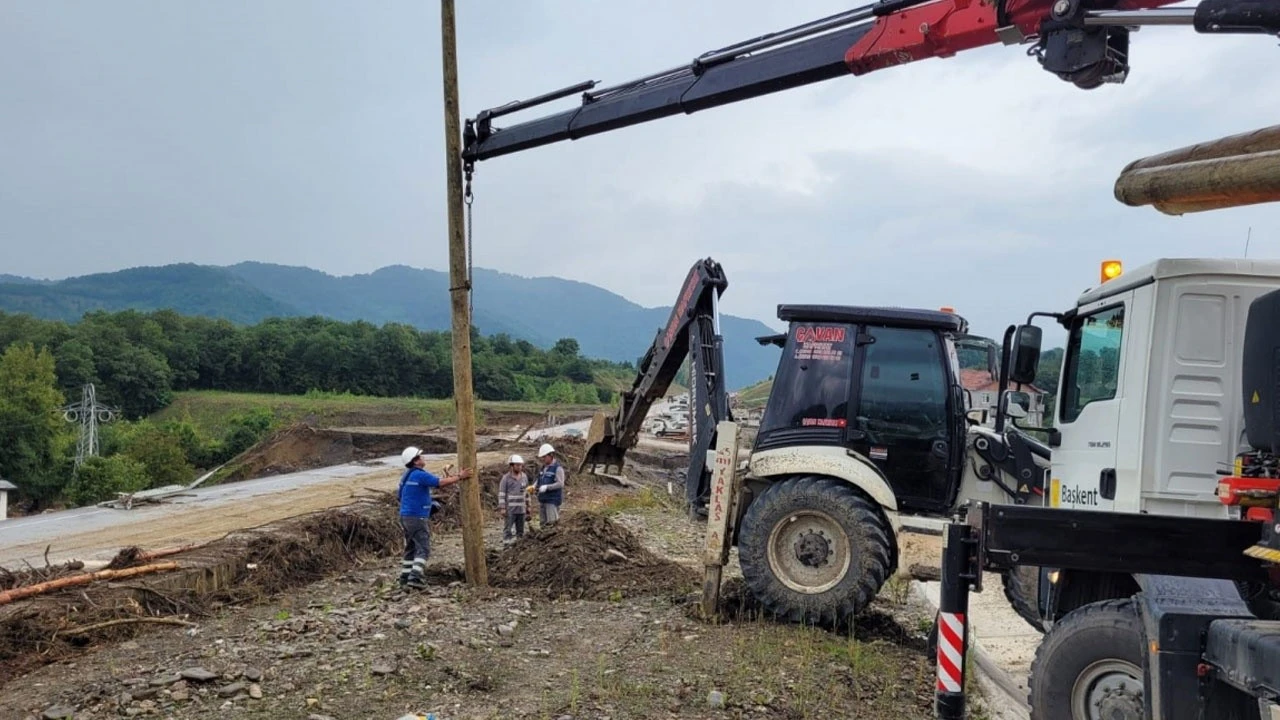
x=1093 y=361
x=811 y=389
x=904 y=386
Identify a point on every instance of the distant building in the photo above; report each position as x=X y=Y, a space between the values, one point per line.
x=5 y=487
x=983 y=394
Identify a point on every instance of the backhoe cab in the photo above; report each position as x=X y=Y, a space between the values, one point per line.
x=866 y=422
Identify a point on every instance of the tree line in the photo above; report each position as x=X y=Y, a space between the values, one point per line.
x=39 y=448
x=138 y=359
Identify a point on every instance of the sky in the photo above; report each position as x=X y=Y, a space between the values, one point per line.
x=309 y=132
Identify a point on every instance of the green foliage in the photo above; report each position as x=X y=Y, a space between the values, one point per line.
x=29 y=421
x=100 y=478
x=245 y=430
x=138 y=360
x=161 y=452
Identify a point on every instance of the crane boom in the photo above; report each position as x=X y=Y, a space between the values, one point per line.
x=1085 y=42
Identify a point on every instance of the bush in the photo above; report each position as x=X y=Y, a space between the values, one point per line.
x=162 y=454
x=245 y=430
x=101 y=478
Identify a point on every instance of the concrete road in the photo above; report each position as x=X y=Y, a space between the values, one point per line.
x=96 y=533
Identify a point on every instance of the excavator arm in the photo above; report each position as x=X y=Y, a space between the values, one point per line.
x=1085 y=42
x=693 y=331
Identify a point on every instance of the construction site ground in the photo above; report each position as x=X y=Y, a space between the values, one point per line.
x=596 y=619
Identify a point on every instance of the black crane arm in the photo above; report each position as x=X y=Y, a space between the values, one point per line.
x=693 y=331
x=1085 y=42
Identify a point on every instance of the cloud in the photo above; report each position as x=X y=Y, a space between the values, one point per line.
x=311 y=134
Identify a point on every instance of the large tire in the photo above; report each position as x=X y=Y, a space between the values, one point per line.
x=1021 y=589
x=814 y=550
x=1089 y=666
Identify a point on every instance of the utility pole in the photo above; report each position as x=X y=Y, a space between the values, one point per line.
x=460 y=296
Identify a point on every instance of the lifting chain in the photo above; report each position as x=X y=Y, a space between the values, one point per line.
x=468 y=198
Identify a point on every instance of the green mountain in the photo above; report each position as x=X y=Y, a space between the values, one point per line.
x=16 y=279
x=189 y=289
x=540 y=310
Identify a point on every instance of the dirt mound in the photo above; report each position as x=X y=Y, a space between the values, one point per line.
x=304 y=447
x=586 y=556
x=257 y=563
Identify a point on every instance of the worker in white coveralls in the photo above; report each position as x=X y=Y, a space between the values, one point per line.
x=512 y=500
x=415 y=514
x=549 y=486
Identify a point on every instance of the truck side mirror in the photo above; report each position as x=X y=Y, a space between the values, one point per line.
x=1026 y=354
x=1017 y=405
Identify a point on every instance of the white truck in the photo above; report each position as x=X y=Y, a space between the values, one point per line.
x=1149 y=410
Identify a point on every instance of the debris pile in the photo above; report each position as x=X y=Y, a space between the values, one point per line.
x=255 y=564
x=31 y=576
x=586 y=556
x=448 y=516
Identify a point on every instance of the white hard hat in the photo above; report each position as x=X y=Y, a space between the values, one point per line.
x=515 y=460
x=409 y=454
x=545 y=450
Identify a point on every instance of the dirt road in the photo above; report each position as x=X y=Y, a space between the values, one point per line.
x=96 y=534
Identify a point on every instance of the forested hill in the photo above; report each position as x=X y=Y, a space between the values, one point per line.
x=538 y=310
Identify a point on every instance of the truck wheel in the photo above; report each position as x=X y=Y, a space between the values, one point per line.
x=1089 y=666
x=1021 y=589
x=814 y=550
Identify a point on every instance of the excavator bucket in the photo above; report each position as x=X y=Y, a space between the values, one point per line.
x=601 y=445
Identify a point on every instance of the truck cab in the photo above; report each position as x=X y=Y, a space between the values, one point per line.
x=1148 y=410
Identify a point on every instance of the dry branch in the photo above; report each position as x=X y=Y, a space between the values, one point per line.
x=9 y=596
x=80 y=629
x=166 y=552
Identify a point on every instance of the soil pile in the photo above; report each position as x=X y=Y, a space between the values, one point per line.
x=586 y=556
x=304 y=447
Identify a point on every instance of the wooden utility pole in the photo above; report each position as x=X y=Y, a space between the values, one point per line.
x=460 y=296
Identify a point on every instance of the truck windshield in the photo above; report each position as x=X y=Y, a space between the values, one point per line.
x=1092 y=368
x=811 y=389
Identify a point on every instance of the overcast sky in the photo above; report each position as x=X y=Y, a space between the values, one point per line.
x=310 y=133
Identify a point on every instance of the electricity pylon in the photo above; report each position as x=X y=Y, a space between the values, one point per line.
x=88 y=412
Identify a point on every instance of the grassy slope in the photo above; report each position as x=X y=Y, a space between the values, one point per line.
x=211 y=410
x=756 y=395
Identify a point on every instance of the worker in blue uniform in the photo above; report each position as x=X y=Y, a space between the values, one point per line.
x=415 y=514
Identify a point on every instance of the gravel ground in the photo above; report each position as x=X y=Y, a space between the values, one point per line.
x=355 y=646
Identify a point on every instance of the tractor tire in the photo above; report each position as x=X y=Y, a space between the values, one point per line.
x=814 y=550
x=1021 y=589
x=1089 y=666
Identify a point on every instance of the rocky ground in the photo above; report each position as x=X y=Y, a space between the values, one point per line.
x=356 y=646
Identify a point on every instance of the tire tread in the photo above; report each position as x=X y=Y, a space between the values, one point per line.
x=871 y=539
